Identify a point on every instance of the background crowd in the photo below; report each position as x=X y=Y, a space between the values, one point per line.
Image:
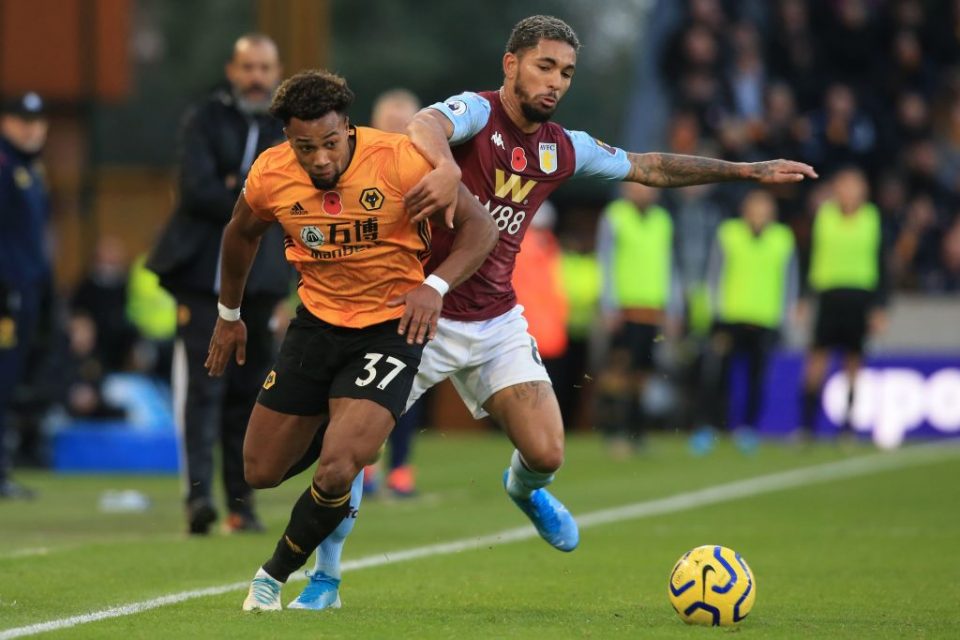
x=868 y=84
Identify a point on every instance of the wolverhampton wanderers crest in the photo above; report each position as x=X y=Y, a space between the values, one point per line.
x=271 y=380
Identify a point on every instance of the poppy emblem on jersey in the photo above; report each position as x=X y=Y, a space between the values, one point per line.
x=312 y=237
x=371 y=199
x=518 y=160
x=331 y=203
x=271 y=380
x=548 y=157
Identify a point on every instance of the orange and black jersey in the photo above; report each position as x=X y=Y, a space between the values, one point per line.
x=354 y=245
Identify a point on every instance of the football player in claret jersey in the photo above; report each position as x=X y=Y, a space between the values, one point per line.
x=353 y=349
x=512 y=157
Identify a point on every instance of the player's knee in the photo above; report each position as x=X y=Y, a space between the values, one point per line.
x=336 y=476
x=547 y=459
x=259 y=475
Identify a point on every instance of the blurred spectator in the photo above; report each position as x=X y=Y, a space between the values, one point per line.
x=86 y=372
x=24 y=264
x=852 y=40
x=947 y=135
x=392 y=111
x=102 y=297
x=635 y=237
x=582 y=285
x=694 y=66
x=754 y=282
x=950 y=279
x=847 y=273
x=221 y=137
x=839 y=133
x=794 y=53
x=153 y=311
x=907 y=69
x=916 y=247
x=538 y=281
x=864 y=83
x=748 y=75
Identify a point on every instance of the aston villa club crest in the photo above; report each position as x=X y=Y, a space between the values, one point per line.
x=548 y=157
x=518 y=159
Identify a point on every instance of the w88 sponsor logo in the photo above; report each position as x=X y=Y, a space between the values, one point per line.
x=507 y=219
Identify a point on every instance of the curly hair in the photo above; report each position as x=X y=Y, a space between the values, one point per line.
x=531 y=30
x=309 y=95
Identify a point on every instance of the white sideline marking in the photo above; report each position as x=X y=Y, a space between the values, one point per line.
x=758 y=485
x=24 y=553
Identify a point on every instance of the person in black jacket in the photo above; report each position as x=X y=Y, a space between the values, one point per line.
x=25 y=271
x=221 y=137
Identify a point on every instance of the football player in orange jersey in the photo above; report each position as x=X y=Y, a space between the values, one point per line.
x=354 y=347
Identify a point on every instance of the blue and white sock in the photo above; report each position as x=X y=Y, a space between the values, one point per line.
x=330 y=550
x=522 y=481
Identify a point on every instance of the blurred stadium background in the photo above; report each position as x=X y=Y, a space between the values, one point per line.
x=869 y=83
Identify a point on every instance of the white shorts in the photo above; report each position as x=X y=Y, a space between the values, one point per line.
x=481 y=357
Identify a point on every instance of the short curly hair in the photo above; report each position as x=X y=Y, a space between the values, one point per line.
x=309 y=95
x=531 y=30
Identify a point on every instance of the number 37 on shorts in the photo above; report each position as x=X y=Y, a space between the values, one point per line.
x=392 y=365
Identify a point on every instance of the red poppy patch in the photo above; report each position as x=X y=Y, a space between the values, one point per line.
x=331 y=203
x=518 y=161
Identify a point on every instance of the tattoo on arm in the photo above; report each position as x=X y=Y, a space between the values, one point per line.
x=672 y=170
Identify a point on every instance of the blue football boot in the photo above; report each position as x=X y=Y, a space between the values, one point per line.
x=552 y=520
x=321 y=592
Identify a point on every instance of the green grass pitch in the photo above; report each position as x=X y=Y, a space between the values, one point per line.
x=872 y=553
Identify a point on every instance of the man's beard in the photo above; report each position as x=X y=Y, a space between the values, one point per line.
x=530 y=112
x=325 y=185
x=252 y=107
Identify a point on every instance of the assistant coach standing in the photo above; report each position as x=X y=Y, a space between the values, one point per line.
x=24 y=261
x=221 y=138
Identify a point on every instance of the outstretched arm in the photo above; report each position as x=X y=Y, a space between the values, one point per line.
x=241 y=240
x=672 y=170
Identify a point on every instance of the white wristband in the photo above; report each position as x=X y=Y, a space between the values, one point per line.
x=437 y=283
x=228 y=314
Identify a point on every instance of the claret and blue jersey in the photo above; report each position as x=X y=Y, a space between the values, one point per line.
x=511 y=173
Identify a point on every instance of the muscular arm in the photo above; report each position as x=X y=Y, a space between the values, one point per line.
x=430 y=133
x=241 y=239
x=672 y=170
x=476 y=236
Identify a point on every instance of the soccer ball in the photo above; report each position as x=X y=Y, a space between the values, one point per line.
x=712 y=585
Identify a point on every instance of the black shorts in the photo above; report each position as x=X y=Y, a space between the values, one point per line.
x=842 y=319
x=319 y=361
x=742 y=337
x=638 y=340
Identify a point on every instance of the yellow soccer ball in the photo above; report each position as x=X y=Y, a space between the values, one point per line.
x=712 y=585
